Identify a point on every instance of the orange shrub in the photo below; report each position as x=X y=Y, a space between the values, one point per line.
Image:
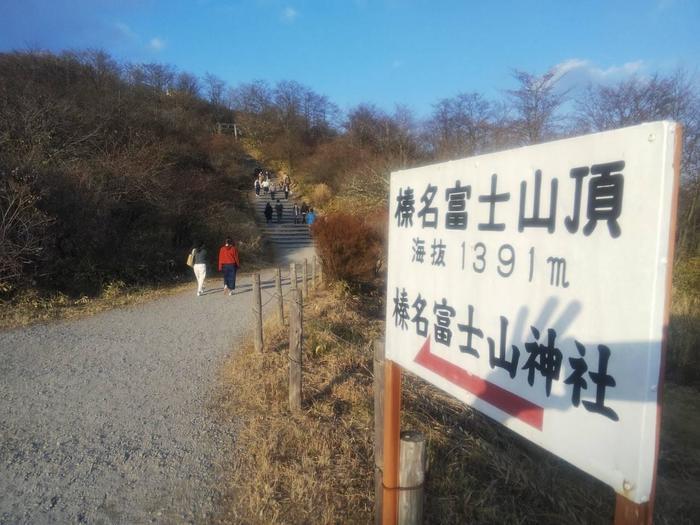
x=350 y=248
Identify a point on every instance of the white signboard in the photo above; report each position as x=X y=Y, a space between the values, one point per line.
x=530 y=284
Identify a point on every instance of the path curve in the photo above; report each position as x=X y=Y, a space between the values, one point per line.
x=108 y=419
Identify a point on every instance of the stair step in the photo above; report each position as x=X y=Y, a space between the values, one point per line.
x=291 y=241
x=290 y=237
x=293 y=244
x=285 y=228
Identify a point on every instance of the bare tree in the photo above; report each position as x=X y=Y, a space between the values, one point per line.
x=157 y=77
x=636 y=100
x=214 y=89
x=187 y=84
x=536 y=102
x=22 y=229
x=460 y=126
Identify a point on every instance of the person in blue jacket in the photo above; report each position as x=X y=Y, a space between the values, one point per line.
x=310 y=217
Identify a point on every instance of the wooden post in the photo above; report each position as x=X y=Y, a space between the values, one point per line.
x=293 y=275
x=295 y=341
x=392 y=416
x=412 y=463
x=313 y=274
x=378 y=428
x=257 y=313
x=280 y=300
x=306 y=278
x=629 y=513
x=320 y=274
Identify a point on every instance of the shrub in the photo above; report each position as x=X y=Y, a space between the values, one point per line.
x=350 y=247
x=683 y=357
x=321 y=195
x=23 y=229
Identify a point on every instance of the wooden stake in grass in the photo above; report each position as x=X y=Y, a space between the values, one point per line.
x=293 y=275
x=280 y=300
x=378 y=428
x=630 y=513
x=306 y=278
x=295 y=342
x=257 y=313
x=392 y=417
x=313 y=274
x=411 y=476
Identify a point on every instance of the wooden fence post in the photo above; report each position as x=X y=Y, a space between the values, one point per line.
x=628 y=512
x=257 y=313
x=293 y=275
x=306 y=278
x=411 y=476
x=378 y=428
x=313 y=274
x=320 y=274
x=280 y=300
x=295 y=342
x=392 y=417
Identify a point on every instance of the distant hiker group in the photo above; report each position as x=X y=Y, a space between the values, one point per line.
x=279 y=208
x=274 y=208
x=262 y=183
x=303 y=214
x=300 y=214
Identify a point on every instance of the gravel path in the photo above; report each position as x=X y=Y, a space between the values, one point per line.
x=108 y=419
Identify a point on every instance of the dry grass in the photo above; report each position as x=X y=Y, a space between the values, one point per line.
x=683 y=358
x=321 y=195
x=316 y=466
x=31 y=307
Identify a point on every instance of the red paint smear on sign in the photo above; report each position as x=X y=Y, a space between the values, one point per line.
x=516 y=406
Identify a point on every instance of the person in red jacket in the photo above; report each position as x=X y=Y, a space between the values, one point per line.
x=229 y=264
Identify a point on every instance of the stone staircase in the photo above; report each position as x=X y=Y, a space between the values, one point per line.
x=291 y=242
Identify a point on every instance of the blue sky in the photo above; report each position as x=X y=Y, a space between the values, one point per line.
x=381 y=51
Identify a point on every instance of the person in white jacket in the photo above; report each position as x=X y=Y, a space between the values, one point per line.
x=199 y=256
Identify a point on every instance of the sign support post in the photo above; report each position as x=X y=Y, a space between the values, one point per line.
x=392 y=421
x=628 y=512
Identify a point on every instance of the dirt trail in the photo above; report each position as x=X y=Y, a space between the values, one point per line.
x=108 y=419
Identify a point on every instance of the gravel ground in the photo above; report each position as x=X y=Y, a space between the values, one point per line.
x=109 y=419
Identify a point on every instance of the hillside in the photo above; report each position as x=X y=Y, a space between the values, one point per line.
x=108 y=173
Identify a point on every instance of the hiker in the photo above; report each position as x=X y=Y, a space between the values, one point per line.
x=199 y=259
x=229 y=263
x=273 y=189
x=257 y=188
x=310 y=217
x=304 y=211
x=266 y=186
x=268 y=213
x=286 y=191
x=297 y=213
x=279 y=209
